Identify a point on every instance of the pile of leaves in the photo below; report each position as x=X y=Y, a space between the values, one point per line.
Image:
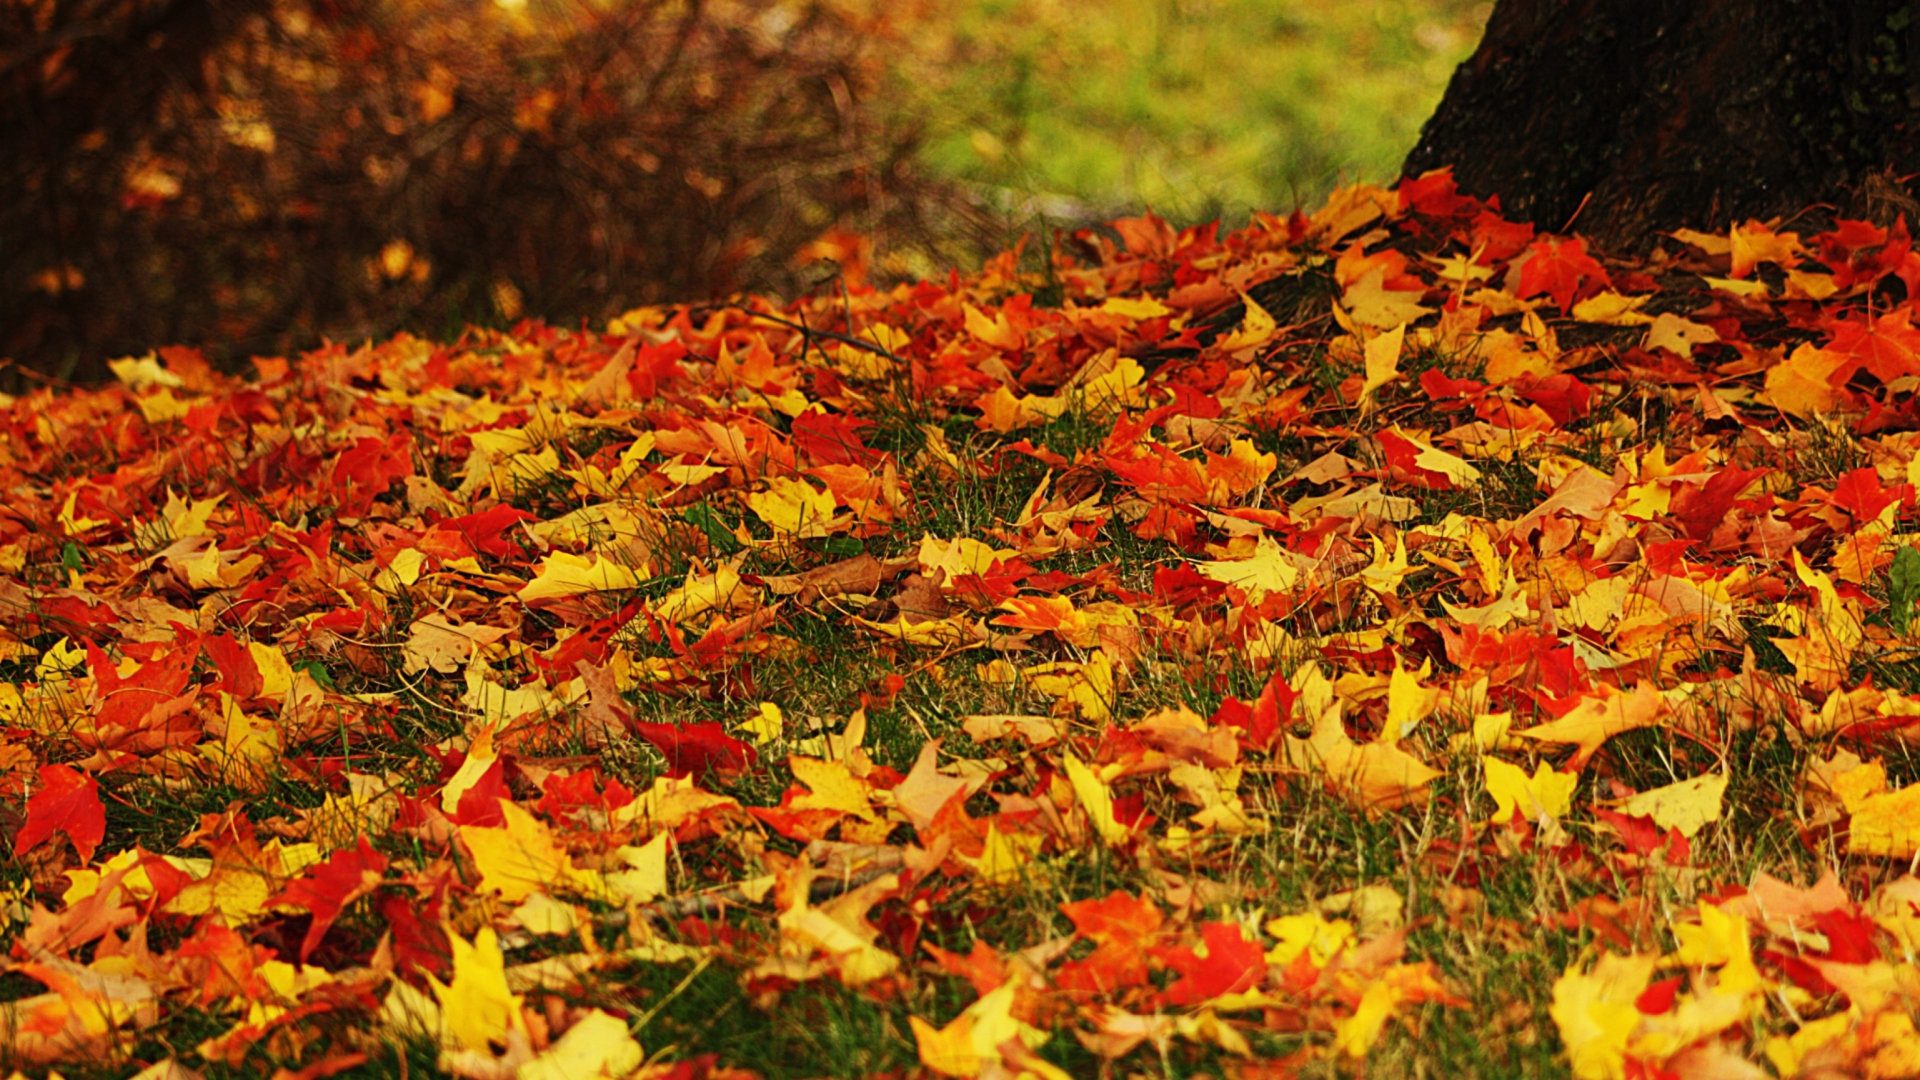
x=1383 y=638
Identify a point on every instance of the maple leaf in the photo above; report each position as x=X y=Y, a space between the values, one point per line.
x=1686 y=806
x=1597 y=1012
x=1563 y=270
x=1373 y=776
x=598 y=1044
x=697 y=749
x=476 y=1006
x=971 y=1041
x=1547 y=794
x=1232 y=964
x=327 y=888
x=1598 y=717
x=68 y=801
x=519 y=858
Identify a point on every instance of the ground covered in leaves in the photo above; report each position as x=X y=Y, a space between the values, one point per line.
x=1384 y=640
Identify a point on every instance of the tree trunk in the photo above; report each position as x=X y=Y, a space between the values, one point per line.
x=1623 y=118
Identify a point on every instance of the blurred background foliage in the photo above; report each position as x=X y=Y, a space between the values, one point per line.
x=252 y=176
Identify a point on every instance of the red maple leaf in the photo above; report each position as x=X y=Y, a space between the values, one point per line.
x=1232 y=965
x=1563 y=270
x=697 y=749
x=68 y=801
x=326 y=889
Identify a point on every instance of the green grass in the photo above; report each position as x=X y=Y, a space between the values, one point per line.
x=1197 y=108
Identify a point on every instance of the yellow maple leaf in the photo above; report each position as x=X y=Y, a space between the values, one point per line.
x=721 y=590
x=971 y=1042
x=1408 y=702
x=480 y=757
x=1144 y=308
x=564 y=574
x=996 y=331
x=597 y=1045
x=646 y=875
x=1802 y=385
x=792 y=508
x=1097 y=799
x=1256 y=328
x=1610 y=308
x=1755 y=243
x=766 y=724
x=831 y=786
x=1268 y=570
x=1007 y=858
x=1320 y=938
x=1686 y=806
x=1546 y=794
x=1386 y=572
x=1382 y=355
x=1371 y=303
x=1373 y=776
x=1599 y=717
x=1887 y=825
x=1719 y=940
x=519 y=858
x=1596 y=1012
x=1002 y=412
x=1678 y=335
x=476 y=1007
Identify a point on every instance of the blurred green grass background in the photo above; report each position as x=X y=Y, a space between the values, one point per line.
x=1197 y=108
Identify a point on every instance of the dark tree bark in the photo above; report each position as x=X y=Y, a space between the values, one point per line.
x=1623 y=118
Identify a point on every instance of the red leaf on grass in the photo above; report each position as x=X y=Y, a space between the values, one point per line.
x=1232 y=965
x=697 y=749
x=68 y=801
x=326 y=889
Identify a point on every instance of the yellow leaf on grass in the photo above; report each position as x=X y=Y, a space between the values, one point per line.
x=563 y=574
x=597 y=1045
x=1383 y=359
x=520 y=858
x=480 y=757
x=1599 y=717
x=1373 y=776
x=1596 y=1013
x=1097 y=799
x=831 y=786
x=1887 y=825
x=1268 y=570
x=476 y=1007
x=1320 y=938
x=1686 y=806
x=1546 y=794
x=1454 y=468
x=702 y=593
x=766 y=724
x=646 y=875
x=972 y=1041
x=792 y=508
x=1408 y=702
x=1256 y=328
